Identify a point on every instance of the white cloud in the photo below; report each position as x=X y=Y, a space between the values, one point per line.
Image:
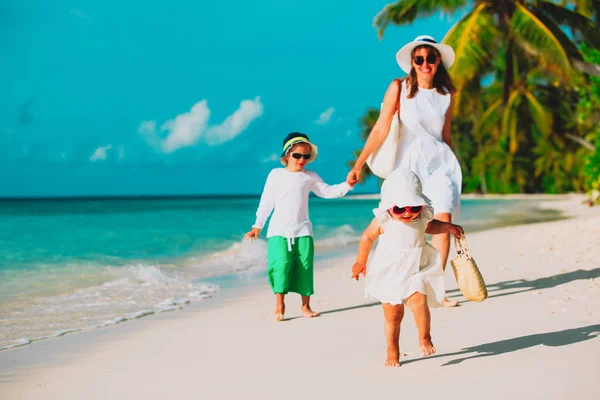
x=234 y=124
x=189 y=128
x=186 y=128
x=121 y=153
x=325 y=116
x=100 y=153
x=271 y=158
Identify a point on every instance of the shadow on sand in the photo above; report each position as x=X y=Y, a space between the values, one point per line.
x=552 y=339
x=522 y=285
x=340 y=310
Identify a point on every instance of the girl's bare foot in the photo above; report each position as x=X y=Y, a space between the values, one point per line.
x=393 y=357
x=308 y=313
x=427 y=348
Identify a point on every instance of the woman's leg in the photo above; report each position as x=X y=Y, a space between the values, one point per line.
x=392 y=318
x=441 y=242
x=418 y=305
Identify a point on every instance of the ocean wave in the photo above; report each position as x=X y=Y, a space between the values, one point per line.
x=137 y=291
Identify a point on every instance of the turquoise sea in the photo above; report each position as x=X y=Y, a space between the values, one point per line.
x=75 y=264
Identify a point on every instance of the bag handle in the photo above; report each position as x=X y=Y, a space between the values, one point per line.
x=461 y=247
x=398 y=99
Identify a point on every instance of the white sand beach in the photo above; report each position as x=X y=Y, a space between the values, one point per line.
x=535 y=337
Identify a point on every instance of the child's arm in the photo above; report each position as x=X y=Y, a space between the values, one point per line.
x=265 y=208
x=436 y=226
x=321 y=189
x=364 y=248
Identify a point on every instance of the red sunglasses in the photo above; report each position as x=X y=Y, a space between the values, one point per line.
x=411 y=209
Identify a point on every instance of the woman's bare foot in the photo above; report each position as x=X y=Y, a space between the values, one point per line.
x=393 y=357
x=427 y=348
x=450 y=303
x=308 y=313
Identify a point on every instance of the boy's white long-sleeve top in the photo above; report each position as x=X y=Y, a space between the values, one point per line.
x=287 y=192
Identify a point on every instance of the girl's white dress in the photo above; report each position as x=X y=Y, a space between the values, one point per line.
x=404 y=263
x=423 y=151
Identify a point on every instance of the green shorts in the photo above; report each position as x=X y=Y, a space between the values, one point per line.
x=291 y=271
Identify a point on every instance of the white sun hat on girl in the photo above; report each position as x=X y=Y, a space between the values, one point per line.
x=401 y=188
x=403 y=56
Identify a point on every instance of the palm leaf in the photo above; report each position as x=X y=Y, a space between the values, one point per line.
x=509 y=120
x=367 y=122
x=574 y=20
x=542 y=117
x=406 y=11
x=489 y=119
x=535 y=37
x=474 y=40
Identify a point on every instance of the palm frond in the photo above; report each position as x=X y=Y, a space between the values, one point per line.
x=474 y=39
x=489 y=119
x=406 y=11
x=509 y=120
x=574 y=20
x=541 y=116
x=535 y=37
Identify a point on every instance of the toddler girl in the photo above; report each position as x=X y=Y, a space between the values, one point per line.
x=405 y=269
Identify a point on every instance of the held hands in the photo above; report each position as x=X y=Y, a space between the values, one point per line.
x=353 y=176
x=359 y=268
x=253 y=234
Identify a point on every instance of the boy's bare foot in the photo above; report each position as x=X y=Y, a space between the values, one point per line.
x=308 y=313
x=279 y=311
x=393 y=357
x=427 y=348
x=450 y=303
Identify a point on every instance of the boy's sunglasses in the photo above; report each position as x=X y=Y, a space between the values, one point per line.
x=431 y=59
x=298 y=156
x=411 y=209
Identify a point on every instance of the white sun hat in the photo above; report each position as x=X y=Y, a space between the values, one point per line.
x=401 y=188
x=403 y=56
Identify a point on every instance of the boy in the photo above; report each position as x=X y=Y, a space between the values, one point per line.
x=290 y=242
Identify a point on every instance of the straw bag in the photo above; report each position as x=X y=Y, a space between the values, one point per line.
x=383 y=160
x=467 y=275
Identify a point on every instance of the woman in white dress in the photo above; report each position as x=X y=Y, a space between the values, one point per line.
x=424 y=102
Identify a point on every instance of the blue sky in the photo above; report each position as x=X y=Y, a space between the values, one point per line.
x=185 y=97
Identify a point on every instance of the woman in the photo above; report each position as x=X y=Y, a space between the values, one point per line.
x=424 y=99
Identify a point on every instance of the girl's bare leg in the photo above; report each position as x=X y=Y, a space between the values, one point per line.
x=391 y=326
x=441 y=242
x=418 y=305
x=280 y=307
x=306 y=310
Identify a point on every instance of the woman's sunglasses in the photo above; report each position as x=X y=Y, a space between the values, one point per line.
x=298 y=156
x=431 y=59
x=411 y=209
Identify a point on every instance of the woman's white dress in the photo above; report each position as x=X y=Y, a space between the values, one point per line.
x=423 y=151
x=404 y=263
